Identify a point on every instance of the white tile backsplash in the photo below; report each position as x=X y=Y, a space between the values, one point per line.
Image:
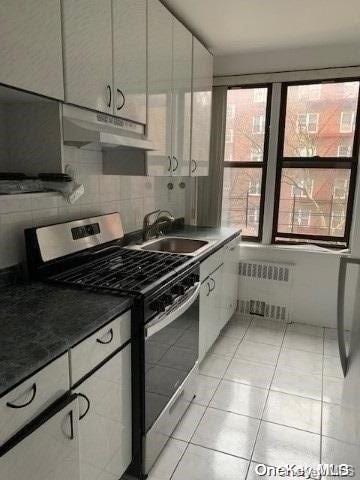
x=131 y=196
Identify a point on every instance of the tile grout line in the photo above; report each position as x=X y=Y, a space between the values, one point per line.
x=267 y=397
x=206 y=407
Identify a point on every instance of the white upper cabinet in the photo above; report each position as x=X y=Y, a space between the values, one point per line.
x=201 y=109
x=87 y=38
x=181 y=85
x=30 y=46
x=129 y=62
x=160 y=73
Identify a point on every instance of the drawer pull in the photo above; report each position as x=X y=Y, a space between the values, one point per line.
x=214 y=284
x=87 y=405
x=106 y=342
x=33 y=389
x=209 y=289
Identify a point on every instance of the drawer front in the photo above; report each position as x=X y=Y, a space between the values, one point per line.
x=92 y=351
x=211 y=263
x=30 y=398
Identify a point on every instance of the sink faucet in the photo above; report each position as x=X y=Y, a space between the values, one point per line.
x=153 y=230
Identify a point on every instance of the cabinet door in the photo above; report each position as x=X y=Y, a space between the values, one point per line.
x=231 y=280
x=87 y=39
x=201 y=109
x=160 y=28
x=105 y=419
x=182 y=81
x=129 y=62
x=216 y=283
x=205 y=313
x=49 y=451
x=210 y=323
x=30 y=46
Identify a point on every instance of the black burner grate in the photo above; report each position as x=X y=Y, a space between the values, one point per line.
x=124 y=270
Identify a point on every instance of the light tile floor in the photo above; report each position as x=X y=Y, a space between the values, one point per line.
x=268 y=393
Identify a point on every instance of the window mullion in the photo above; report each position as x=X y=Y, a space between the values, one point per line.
x=271 y=164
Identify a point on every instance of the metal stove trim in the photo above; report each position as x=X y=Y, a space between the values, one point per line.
x=56 y=241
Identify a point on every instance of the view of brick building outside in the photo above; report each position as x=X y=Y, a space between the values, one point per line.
x=320 y=120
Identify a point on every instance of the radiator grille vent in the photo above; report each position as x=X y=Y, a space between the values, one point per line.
x=265 y=271
x=262 y=309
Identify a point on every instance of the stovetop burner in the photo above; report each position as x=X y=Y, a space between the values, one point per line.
x=125 y=271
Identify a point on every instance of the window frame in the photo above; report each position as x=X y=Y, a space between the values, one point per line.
x=255 y=163
x=347 y=163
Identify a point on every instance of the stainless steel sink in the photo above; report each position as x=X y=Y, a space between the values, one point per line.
x=175 y=245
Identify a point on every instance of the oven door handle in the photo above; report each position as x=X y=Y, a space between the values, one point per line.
x=168 y=317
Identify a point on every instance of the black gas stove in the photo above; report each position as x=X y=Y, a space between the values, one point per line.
x=90 y=254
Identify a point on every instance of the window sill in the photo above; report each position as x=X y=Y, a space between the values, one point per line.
x=297 y=248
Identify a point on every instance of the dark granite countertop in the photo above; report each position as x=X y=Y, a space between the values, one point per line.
x=39 y=322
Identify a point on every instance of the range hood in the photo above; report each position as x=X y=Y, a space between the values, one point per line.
x=87 y=128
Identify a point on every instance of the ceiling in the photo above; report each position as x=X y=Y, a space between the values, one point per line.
x=238 y=26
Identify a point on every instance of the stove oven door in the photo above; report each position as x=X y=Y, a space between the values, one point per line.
x=171 y=361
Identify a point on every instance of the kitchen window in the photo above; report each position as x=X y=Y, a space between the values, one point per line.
x=245 y=159
x=316 y=171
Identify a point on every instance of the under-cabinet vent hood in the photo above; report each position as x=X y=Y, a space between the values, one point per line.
x=86 y=128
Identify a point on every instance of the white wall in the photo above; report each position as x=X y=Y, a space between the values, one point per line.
x=314 y=289
x=288 y=59
x=131 y=196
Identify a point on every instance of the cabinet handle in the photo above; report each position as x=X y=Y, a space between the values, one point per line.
x=209 y=289
x=170 y=163
x=177 y=163
x=87 y=405
x=103 y=342
x=71 y=415
x=120 y=92
x=214 y=284
x=110 y=95
x=33 y=389
x=194 y=163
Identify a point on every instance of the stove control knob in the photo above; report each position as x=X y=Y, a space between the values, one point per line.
x=178 y=290
x=157 y=306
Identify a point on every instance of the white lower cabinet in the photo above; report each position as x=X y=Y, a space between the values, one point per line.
x=230 y=281
x=219 y=293
x=48 y=451
x=105 y=433
x=210 y=311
